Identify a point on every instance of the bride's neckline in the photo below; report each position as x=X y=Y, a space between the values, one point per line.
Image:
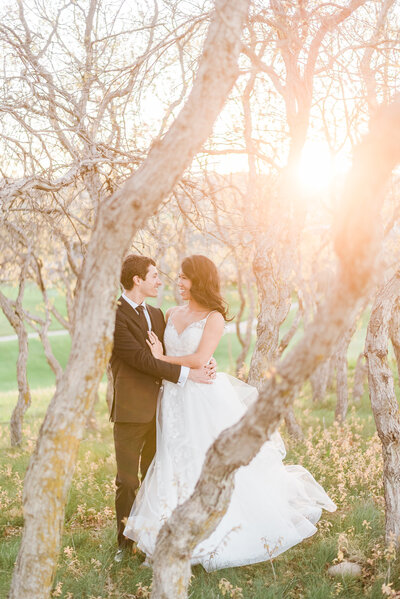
x=187 y=326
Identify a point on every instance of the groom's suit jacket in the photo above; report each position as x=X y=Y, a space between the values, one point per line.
x=137 y=374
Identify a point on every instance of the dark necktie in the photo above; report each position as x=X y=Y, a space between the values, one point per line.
x=142 y=319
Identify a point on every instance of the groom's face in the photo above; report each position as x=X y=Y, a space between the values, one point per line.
x=149 y=286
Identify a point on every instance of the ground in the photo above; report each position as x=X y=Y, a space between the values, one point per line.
x=345 y=460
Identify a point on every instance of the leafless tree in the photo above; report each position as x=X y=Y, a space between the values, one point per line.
x=360 y=374
x=118 y=217
x=356 y=244
x=13 y=311
x=383 y=400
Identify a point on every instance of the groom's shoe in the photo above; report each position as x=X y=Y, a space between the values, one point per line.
x=121 y=553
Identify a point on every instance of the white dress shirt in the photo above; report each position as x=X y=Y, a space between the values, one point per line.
x=184 y=369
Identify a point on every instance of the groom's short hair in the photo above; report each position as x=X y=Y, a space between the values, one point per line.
x=134 y=265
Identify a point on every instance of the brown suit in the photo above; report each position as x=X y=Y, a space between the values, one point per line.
x=137 y=378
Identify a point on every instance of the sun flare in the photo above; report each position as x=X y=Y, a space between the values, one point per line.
x=318 y=168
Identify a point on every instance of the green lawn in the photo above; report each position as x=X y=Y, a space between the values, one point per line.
x=346 y=460
x=39 y=372
x=33 y=302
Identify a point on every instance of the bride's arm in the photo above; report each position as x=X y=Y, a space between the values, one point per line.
x=208 y=343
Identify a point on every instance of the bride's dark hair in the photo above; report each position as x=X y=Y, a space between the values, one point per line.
x=205 y=289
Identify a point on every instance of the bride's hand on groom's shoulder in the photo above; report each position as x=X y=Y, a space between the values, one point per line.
x=155 y=345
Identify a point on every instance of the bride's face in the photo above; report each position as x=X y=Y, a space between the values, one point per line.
x=184 y=285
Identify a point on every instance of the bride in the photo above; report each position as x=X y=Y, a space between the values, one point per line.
x=273 y=506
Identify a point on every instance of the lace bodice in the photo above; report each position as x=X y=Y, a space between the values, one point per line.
x=186 y=342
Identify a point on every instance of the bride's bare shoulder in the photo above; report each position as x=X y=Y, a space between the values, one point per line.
x=215 y=319
x=170 y=311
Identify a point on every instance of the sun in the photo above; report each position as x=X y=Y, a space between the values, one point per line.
x=318 y=167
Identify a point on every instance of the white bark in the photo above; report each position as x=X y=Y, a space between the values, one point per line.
x=51 y=468
x=340 y=361
x=360 y=374
x=14 y=313
x=342 y=391
x=321 y=378
x=384 y=402
x=394 y=333
x=356 y=244
x=293 y=427
x=244 y=340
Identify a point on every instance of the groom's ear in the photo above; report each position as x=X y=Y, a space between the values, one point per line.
x=136 y=280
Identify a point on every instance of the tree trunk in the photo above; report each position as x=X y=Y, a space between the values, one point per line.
x=24 y=394
x=394 y=333
x=340 y=360
x=275 y=285
x=245 y=340
x=360 y=374
x=293 y=427
x=91 y=422
x=342 y=392
x=12 y=311
x=52 y=465
x=274 y=290
x=320 y=379
x=286 y=339
x=384 y=402
x=356 y=244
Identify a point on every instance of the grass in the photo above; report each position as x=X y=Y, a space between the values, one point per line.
x=346 y=460
x=33 y=302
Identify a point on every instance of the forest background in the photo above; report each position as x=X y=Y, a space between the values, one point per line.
x=265 y=136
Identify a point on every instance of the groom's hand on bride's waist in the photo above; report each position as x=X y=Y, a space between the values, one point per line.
x=206 y=374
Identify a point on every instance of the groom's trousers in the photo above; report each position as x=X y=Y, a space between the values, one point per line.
x=135 y=445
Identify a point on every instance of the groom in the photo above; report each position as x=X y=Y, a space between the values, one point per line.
x=137 y=379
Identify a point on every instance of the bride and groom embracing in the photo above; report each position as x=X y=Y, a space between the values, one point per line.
x=167 y=433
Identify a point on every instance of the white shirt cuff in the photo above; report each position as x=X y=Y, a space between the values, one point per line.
x=183 y=376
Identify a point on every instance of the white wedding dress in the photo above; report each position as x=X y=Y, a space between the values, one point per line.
x=273 y=506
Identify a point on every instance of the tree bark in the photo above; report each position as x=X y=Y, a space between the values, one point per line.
x=320 y=379
x=360 y=374
x=91 y=421
x=12 y=311
x=342 y=392
x=244 y=340
x=394 y=333
x=342 y=388
x=356 y=245
x=273 y=267
x=384 y=402
x=293 y=427
x=52 y=465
